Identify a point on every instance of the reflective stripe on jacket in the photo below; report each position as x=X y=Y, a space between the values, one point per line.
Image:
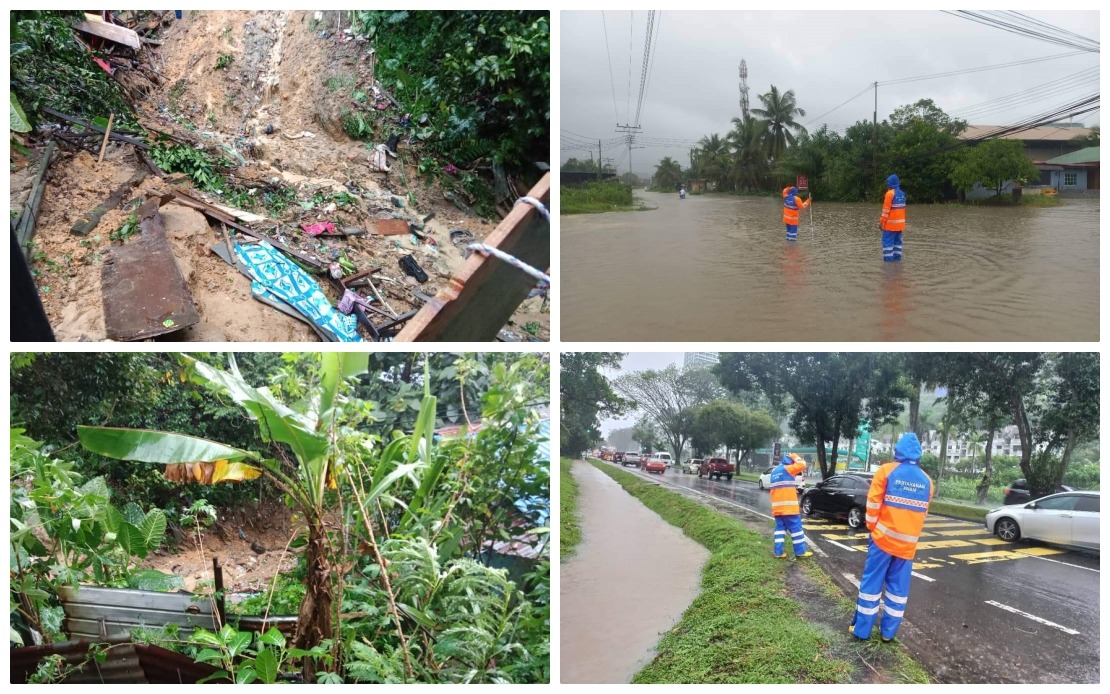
x=893 y=217
x=784 y=489
x=790 y=206
x=897 y=504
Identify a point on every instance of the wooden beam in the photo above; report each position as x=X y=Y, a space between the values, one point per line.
x=479 y=300
x=119 y=137
x=91 y=218
x=98 y=27
x=30 y=216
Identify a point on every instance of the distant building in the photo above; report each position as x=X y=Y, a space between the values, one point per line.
x=1072 y=172
x=701 y=359
x=1043 y=145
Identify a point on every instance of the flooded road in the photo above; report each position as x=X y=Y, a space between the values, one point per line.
x=629 y=582
x=981 y=610
x=718 y=268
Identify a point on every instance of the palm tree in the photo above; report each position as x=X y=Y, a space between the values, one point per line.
x=749 y=159
x=779 y=111
x=713 y=157
x=668 y=173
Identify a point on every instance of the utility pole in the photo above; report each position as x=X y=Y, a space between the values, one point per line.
x=630 y=132
x=599 y=159
x=875 y=137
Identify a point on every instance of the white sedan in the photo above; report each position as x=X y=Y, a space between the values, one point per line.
x=765 y=479
x=1070 y=519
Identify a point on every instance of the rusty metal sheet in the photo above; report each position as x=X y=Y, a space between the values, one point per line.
x=144 y=294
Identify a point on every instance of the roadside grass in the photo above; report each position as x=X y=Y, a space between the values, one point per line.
x=1041 y=201
x=606 y=196
x=743 y=627
x=569 y=532
x=955 y=510
x=747 y=476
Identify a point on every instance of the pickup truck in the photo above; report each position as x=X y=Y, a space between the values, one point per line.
x=657 y=462
x=631 y=459
x=716 y=467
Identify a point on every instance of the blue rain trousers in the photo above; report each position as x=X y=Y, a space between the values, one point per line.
x=887 y=573
x=892 y=246
x=791 y=232
x=792 y=525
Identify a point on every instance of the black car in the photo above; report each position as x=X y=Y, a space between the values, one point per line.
x=841 y=496
x=1018 y=492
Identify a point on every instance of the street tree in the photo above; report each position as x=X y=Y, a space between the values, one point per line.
x=713 y=424
x=993 y=163
x=668 y=174
x=779 y=109
x=749 y=154
x=668 y=397
x=1052 y=398
x=831 y=391
x=584 y=394
x=927 y=112
x=714 y=158
x=621 y=439
x=646 y=433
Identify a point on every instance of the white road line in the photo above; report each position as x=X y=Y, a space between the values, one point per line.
x=851 y=579
x=1057 y=561
x=834 y=542
x=1035 y=618
x=923 y=577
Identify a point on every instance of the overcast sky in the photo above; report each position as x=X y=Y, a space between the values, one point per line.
x=639 y=361
x=825 y=57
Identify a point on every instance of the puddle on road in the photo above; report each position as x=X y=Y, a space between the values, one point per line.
x=630 y=580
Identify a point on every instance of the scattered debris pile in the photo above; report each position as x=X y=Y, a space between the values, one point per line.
x=241 y=209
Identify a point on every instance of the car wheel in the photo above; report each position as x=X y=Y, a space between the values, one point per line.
x=1007 y=529
x=761 y=484
x=855 y=517
x=807 y=505
x=728 y=477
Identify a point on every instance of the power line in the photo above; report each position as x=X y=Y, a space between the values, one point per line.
x=1031 y=95
x=865 y=90
x=979 y=69
x=1045 y=24
x=628 y=99
x=612 y=83
x=655 y=51
x=1021 y=28
x=648 y=36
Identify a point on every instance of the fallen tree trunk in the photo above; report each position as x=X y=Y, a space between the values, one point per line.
x=76 y=120
x=88 y=222
x=26 y=229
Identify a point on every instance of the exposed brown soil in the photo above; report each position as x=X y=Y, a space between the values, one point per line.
x=287 y=76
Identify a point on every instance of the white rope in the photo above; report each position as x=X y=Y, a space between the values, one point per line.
x=511 y=260
x=538 y=205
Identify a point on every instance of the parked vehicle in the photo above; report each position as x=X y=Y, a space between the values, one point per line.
x=842 y=496
x=690 y=467
x=1069 y=519
x=656 y=463
x=631 y=459
x=765 y=479
x=716 y=467
x=1018 y=492
x=665 y=457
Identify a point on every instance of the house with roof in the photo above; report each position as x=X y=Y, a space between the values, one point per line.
x=1042 y=144
x=1072 y=172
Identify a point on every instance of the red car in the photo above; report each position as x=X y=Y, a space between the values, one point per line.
x=655 y=465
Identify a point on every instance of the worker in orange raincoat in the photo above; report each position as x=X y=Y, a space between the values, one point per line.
x=784 y=505
x=897 y=504
x=791 y=204
x=892 y=222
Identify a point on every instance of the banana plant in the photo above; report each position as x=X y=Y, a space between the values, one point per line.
x=311 y=429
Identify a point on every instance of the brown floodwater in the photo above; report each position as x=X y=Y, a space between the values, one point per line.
x=629 y=581
x=718 y=268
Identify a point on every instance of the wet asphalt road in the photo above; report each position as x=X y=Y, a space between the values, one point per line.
x=981 y=610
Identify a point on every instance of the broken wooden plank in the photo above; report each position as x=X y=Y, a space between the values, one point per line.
x=242 y=216
x=88 y=222
x=479 y=300
x=107 y=134
x=98 y=27
x=27 y=221
x=144 y=294
x=76 y=120
x=390 y=227
x=220 y=216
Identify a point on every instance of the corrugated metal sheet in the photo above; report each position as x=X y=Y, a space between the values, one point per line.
x=93 y=612
x=124 y=663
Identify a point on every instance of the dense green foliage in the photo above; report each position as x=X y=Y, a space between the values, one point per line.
x=597 y=196
x=585 y=394
x=569 y=529
x=426 y=507
x=50 y=68
x=481 y=78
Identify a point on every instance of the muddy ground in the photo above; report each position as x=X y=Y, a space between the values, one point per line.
x=268 y=526
x=291 y=73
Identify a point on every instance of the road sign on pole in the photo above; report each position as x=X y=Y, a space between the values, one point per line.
x=803 y=182
x=777 y=455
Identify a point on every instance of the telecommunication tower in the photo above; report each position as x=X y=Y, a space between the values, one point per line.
x=744 y=88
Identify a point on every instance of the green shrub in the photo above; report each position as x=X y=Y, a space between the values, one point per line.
x=601 y=196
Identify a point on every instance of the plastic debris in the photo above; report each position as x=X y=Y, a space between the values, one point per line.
x=411 y=268
x=318 y=228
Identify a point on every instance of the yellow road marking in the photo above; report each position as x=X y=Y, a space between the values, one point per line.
x=981 y=557
x=828 y=536
x=945 y=524
x=991 y=541
x=917 y=566
x=957 y=533
x=943 y=544
x=1038 y=551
